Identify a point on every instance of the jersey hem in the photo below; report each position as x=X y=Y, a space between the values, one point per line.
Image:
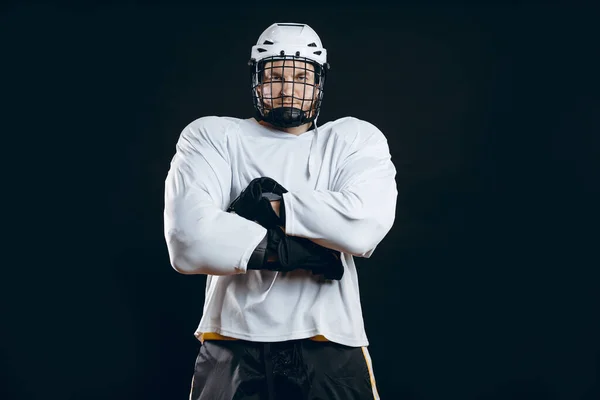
x=351 y=342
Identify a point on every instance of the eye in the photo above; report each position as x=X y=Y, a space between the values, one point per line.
x=272 y=78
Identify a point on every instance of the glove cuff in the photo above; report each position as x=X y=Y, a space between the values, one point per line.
x=282 y=212
x=259 y=255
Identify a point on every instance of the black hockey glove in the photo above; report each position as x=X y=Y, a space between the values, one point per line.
x=296 y=253
x=254 y=203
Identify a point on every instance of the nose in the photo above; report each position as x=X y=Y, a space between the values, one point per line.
x=287 y=89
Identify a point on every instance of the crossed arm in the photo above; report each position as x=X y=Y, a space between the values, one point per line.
x=204 y=239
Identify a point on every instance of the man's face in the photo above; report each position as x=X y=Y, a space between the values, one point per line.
x=288 y=84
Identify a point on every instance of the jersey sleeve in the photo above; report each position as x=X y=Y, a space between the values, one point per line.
x=202 y=238
x=359 y=211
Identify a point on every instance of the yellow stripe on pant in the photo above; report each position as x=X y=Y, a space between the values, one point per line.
x=371 y=374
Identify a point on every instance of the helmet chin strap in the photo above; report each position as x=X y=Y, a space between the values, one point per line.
x=286 y=117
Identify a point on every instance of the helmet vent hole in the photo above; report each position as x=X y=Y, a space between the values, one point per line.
x=267 y=42
x=313 y=44
x=261 y=50
x=317 y=52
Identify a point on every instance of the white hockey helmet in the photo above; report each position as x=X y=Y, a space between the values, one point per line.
x=289 y=39
x=283 y=42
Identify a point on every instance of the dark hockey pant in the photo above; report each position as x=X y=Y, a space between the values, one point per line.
x=292 y=370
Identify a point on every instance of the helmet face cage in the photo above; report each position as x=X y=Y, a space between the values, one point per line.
x=287 y=91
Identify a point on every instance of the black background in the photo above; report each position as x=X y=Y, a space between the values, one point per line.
x=486 y=286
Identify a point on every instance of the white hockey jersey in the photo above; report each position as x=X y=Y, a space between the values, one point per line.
x=342 y=195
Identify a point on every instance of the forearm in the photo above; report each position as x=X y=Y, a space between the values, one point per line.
x=217 y=243
x=346 y=221
x=202 y=238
